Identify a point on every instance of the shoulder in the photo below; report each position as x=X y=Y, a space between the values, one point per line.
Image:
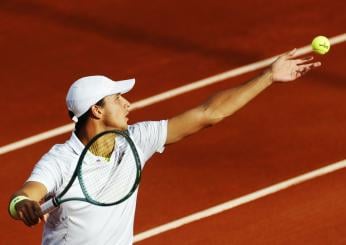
x=149 y=136
x=54 y=167
x=60 y=158
x=148 y=128
x=60 y=152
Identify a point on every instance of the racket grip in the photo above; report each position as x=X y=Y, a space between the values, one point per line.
x=48 y=206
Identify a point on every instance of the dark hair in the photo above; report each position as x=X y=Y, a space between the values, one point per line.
x=83 y=118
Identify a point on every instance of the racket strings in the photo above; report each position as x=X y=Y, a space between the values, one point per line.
x=109 y=182
x=116 y=185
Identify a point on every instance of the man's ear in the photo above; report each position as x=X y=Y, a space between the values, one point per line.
x=96 y=111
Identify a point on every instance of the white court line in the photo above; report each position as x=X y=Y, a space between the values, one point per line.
x=166 y=95
x=239 y=201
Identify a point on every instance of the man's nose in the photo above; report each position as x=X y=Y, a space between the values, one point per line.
x=127 y=104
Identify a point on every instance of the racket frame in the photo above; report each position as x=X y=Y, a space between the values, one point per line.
x=56 y=201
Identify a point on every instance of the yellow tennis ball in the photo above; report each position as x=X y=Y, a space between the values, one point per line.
x=320 y=45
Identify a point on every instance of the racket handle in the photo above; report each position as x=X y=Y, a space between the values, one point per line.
x=48 y=206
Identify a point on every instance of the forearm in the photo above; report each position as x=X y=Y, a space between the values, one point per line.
x=33 y=190
x=226 y=102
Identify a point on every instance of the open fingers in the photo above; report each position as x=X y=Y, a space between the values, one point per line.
x=302 y=69
x=291 y=53
x=310 y=65
x=304 y=60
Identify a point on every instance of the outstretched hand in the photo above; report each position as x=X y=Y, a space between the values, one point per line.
x=286 y=68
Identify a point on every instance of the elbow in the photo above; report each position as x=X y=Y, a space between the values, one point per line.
x=213 y=117
x=215 y=120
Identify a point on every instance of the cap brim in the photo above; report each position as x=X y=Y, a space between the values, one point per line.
x=124 y=86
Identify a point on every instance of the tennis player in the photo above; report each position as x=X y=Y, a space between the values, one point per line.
x=96 y=104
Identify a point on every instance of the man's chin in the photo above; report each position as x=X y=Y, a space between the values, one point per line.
x=120 y=128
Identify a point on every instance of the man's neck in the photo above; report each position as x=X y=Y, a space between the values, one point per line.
x=86 y=133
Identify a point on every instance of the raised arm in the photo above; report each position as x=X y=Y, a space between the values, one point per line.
x=226 y=102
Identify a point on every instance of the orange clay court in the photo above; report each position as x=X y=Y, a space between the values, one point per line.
x=288 y=131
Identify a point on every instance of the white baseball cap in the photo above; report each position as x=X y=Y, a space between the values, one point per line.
x=87 y=91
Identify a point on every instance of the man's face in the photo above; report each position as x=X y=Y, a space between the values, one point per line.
x=115 y=112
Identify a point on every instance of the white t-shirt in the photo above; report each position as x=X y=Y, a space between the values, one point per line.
x=77 y=222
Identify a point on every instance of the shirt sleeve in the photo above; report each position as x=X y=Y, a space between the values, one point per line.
x=48 y=172
x=149 y=136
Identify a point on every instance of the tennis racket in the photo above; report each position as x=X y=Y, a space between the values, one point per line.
x=108 y=171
